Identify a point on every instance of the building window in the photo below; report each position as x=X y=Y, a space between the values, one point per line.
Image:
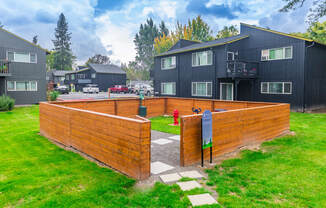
x=72 y=76
x=201 y=89
x=67 y=77
x=202 y=58
x=168 y=88
x=276 y=88
x=21 y=57
x=22 y=85
x=62 y=79
x=93 y=75
x=168 y=63
x=80 y=76
x=230 y=56
x=226 y=91
x=276 y=53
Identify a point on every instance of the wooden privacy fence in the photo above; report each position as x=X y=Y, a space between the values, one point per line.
x=122 y=143
x=232 y=130
x=111 y=132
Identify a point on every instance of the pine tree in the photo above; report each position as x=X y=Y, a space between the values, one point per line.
x=35 y=39
x=63 y=57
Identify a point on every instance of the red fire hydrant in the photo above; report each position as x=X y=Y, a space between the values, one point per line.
x=176 y=116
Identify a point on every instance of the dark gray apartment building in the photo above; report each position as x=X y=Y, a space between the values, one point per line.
x=22 y=69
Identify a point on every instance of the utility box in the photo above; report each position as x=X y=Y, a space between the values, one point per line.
x=143 y=111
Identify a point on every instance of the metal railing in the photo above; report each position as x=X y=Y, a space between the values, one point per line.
x=4 y=67
x=242 y=69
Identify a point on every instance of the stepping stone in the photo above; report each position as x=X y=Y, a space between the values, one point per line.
x=176 y=137
x=162 y=141
x=188 y=185
x=159 y=167
x=191 y=174
x=168 y=178
x=201 y=199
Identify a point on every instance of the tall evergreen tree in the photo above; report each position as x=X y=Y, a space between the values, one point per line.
x=163 y=29
x=35 y=39
x=144 y=41
x=62 y=55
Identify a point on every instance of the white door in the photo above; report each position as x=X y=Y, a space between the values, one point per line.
x=226 y=91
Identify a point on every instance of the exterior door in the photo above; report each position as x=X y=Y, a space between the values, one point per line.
x=226 y=91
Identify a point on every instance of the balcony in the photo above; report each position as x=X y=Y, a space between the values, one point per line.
x=4 y=68
x=242 y=69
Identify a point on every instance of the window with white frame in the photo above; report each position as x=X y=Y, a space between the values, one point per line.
x=22 y=85
x=276 y=88
x=168 y=88
x=230 y=56
x=72 y=76
x=202 y=58
x=201 y=89
x=168 y=63
x=277 y=53
x=81 y=76
x=21 y=57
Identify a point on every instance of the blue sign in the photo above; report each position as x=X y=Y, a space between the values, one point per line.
x=207 y=132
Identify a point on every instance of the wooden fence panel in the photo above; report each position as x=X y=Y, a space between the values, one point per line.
x=121 y=143
x=232 y=129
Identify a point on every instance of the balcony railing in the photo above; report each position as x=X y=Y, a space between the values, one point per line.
x=242 y=69
x=4 y=68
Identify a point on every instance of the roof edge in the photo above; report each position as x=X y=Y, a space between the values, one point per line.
x=47 y=51
x=209 y=46
x=276 y=32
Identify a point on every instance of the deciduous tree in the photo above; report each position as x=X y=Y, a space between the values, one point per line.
x=227 y=32
x=99 y=59
x=317 y=10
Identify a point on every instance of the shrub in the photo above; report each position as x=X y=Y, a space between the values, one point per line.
x=53 y=95
x=6 y=103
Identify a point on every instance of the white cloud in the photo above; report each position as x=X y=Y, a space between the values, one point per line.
x=118 y=38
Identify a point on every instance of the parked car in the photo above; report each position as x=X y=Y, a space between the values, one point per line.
x=147 y=89
x=62 y=89
x=91 y=88
x=119 y=89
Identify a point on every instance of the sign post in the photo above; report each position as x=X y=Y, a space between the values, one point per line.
x=207 y=135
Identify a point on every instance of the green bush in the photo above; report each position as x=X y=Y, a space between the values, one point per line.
x=53 y=95
x=6 y=103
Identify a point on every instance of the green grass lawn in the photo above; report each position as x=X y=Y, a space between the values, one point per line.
x=161 y=123
x=36 y=173
x=287 y=172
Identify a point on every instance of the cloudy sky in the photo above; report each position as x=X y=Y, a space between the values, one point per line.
x=109 y=26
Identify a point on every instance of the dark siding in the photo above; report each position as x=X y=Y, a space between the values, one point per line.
x=315 y=82
x=25 y=71
x=106 y=81
x=103 y=80
x=278 y=70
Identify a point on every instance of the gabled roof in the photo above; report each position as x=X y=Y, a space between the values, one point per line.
x=48 y=52
x=107 y=68
x=207 y=44
x=281 y=33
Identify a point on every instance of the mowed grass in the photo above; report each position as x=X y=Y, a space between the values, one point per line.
x=161 y=123
x=286 y=172
x=36 y=173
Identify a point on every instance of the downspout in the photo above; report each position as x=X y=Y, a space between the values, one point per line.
x=304 y=78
